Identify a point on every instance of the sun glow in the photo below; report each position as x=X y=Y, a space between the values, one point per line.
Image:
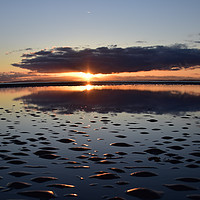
x=87 y=76
x=88 y=87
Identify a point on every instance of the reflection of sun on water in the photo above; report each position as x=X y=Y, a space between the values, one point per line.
x=89 y=87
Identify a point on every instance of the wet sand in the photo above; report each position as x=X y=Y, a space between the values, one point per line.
x=88 y=154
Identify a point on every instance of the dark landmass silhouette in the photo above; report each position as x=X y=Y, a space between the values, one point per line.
x=80 y=83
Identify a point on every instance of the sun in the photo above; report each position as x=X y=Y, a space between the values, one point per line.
x=87 y=76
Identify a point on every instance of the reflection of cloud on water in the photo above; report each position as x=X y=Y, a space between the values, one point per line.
x=107 y=100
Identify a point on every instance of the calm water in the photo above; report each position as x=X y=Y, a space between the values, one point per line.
x=135 y=119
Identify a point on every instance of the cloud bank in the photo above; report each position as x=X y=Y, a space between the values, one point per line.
x=111 y=60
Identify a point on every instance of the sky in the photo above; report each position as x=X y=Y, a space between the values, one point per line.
x=114 y=39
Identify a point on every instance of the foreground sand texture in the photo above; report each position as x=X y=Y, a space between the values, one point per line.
x=74 y=143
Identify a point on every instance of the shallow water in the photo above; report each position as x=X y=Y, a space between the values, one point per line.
x=155 y=128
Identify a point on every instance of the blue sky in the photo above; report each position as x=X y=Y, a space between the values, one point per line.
x=40 y=24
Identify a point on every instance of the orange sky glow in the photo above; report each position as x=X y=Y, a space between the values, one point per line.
x=183 y=74
x=131 y=76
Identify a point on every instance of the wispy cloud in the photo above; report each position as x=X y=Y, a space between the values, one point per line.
x=110 y=60
x=18 y=50
x=141 y=41
x=40 y=77
x=15 y=76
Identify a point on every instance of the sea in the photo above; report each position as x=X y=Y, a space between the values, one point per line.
x=100 y=140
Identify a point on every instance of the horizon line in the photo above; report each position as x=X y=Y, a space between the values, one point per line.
x=80 y=83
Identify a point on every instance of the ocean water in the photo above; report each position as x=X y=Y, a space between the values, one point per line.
x=103 y=139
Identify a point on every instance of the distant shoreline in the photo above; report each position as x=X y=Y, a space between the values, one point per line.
x=81 y=83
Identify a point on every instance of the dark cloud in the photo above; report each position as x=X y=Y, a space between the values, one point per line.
x=28 y=49
x=109 y=60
